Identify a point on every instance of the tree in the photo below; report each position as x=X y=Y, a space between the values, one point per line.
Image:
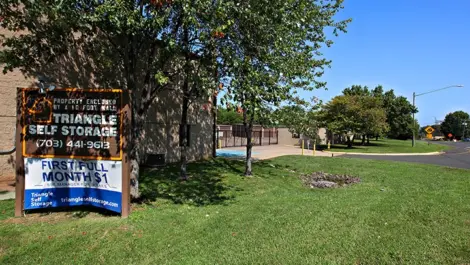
x=378 y=92
x=398 y=110
x=300 y=118
x=371 y=114
x=453 y=123
x=228 y=117
x=372 y=117
x=399 y=115
x=414 y=126
x=357 y=90
x=274 y=49
x=340 y=115
x=356 y=112
x=141 y=46
x=198 y=41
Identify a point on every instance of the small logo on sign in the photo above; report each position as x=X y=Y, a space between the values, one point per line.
x=41 y=110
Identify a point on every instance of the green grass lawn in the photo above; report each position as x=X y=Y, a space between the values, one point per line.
x=389 y=146
x=399 y=214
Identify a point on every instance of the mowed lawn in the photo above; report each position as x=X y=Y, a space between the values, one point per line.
x=399 y=214
x=389 y=146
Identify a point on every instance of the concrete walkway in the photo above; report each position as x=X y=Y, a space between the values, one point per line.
x=7 y=189
x=271 y=151
x=7 y=195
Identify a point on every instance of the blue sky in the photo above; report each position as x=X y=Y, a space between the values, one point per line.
x=413 y=45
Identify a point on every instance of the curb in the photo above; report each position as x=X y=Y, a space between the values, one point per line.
x=385 y=154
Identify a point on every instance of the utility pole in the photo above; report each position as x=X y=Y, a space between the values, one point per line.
x=414 y=121
x=414 y=98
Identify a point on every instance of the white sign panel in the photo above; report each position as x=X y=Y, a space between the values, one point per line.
x=56 y=182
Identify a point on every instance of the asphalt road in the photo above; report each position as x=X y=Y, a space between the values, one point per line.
x=458 y=157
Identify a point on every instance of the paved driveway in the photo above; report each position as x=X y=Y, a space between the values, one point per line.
x=458 y=157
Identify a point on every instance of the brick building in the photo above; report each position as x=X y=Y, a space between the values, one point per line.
x=161 y=127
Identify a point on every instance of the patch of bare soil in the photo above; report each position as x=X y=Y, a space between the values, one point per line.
x=51 y=217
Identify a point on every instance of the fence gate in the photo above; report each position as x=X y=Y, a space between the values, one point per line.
x=235 y=136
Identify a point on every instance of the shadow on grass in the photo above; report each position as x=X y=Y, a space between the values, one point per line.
x=205 y=185
x=356 y=145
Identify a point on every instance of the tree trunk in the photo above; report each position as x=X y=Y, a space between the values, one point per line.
x=137 y=121
x=134 y=178
x=349 y=142
x=136 y=152
x=249 y=147
x=377 y=137
x=184 y=130
x=184 y=141
x=368 y=139
x=215 y=137
x=363 y=140
x=184 y=111
x=248 y=124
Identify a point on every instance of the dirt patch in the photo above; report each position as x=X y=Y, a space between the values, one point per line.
x=38 y=218
x=57 y=215
x=325 y=180
x=50 y=218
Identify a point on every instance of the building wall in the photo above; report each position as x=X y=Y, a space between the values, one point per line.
x=8 y=85
x=163 y=129
x=75 y=70
x=322 y=134
x=286 y=137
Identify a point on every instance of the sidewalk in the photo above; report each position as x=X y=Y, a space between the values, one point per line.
x=271 y=151
x=7 y=195
x=7 y=190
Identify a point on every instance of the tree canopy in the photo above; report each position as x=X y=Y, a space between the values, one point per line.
x=366 y=112
x=301 y=118
x=399 y=116
x=262 y=50
x=454 y=123
x=139 y=45
x=273 y=51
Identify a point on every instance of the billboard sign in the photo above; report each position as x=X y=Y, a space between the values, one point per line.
x=71 y=145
